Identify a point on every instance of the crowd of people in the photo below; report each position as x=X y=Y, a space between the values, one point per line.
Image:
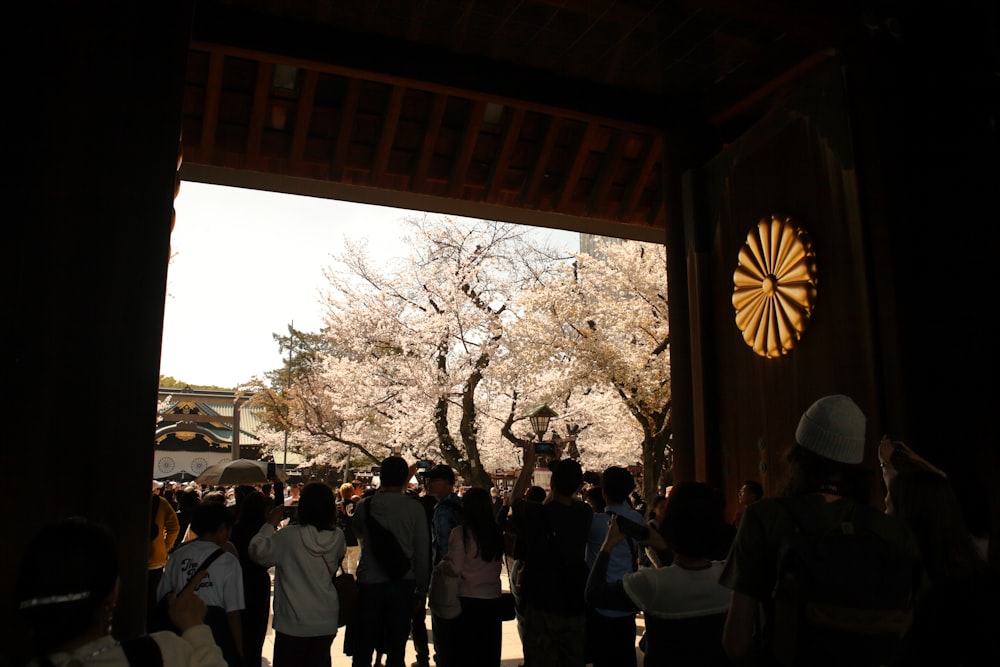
x=582 y=560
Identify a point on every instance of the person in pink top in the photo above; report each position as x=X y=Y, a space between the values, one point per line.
x=475 y=550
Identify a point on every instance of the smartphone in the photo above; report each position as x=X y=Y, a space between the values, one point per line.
x=424 y=464
x=636 y=531
x=545 y=448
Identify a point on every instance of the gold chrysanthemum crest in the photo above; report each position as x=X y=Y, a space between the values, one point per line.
x=774 y=286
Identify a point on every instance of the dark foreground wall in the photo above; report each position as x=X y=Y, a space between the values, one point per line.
x=94 y=153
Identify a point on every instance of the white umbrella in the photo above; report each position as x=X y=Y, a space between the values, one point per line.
x=240 y=471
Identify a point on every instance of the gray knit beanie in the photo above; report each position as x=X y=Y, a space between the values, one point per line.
x=834 y=428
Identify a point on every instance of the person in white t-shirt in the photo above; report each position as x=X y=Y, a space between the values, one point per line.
x=683 y=604
x=222 y=587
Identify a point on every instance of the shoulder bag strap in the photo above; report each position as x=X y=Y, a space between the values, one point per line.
x=208 y=561
x=204 y=566
x=339 y=567
x=635 y=554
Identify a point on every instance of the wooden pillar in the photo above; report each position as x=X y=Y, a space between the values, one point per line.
x=95 y=139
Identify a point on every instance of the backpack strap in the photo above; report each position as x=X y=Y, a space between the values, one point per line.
x=208 y=561
x=204 y=564
x=143 y=651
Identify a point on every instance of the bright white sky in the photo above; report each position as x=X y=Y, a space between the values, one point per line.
x=248 y=263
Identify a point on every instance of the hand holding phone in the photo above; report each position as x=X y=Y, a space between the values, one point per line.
x=545 y=448
x=636 y=531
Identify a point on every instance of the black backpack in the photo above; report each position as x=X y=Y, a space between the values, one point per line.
x=843 y=595
x=384 y=546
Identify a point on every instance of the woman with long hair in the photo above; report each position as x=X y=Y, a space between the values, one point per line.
x=65 y=594
x=475 y=550
x=305 y=556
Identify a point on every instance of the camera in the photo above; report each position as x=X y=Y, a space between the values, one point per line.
x=546 y=448
x=636 y=531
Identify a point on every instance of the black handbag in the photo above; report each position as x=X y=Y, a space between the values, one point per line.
x=506 y=607
x=347 y=594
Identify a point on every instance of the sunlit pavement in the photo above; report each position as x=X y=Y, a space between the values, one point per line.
x=511 y=654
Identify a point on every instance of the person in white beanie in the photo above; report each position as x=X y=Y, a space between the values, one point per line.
x=829 y=489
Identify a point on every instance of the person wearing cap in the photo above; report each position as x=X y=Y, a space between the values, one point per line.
x=827 y=479
x=439 y=482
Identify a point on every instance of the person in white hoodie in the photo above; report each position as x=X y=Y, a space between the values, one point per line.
x=305 y=556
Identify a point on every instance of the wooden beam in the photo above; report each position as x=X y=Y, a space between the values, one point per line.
x=258 y=112
x=357 y=53
x=387 y=137
x=210 y=116
x=198 y=418
x=607 y=171
x=530 y=197
x=347 y=114
x=573 y=175
x=431 y=131
x=460 y=167
x=511 y=130
x=654 y=150
x=303 y=116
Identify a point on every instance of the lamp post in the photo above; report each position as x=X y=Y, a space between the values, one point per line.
x=539 y=416
x=288 y=381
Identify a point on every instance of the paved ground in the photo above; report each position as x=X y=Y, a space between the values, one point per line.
x=511 y=654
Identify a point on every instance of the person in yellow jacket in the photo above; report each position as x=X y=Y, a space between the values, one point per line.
x=163 y=530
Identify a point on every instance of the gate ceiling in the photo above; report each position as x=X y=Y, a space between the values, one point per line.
x=563 y=111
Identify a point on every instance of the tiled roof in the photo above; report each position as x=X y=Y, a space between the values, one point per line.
x=220 y=431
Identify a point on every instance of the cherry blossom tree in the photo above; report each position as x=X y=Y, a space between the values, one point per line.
x=603 y=326
x=415 y=341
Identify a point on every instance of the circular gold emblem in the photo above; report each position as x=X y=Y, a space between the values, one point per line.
x=774 y=286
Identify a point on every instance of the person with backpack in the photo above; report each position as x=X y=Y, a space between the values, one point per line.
x=65 y=594
x=222 y=586
x=393 y=572
x=554 y=573
x=818 y=577
x=611 y=632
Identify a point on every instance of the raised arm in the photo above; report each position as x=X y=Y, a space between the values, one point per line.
x=524 y=477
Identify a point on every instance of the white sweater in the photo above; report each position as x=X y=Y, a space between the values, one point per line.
x=305 y=601
x=195 y=648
